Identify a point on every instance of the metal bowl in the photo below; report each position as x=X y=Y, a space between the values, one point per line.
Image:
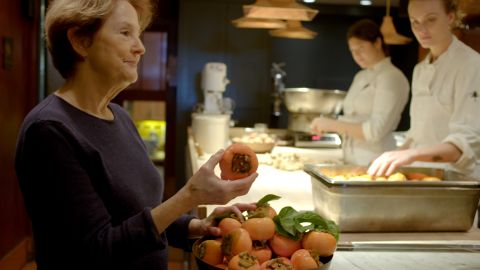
x=314 y=101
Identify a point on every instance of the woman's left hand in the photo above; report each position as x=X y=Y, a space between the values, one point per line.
x=388 y=162
x=208 y=226
x=320 y=125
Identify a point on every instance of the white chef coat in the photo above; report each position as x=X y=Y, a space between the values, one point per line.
x=376 y=99
x=445 y=104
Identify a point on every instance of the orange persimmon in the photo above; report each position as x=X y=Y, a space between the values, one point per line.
x=261 y=251
x=210 y=251
x=237 y=162
x=303 y=259
x=260 y=228
x=284 y=246
x=227 y=225
x=279 y=263
x=322 y=242
x=243 y=261
x=235 y=242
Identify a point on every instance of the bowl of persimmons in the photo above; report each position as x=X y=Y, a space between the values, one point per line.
x=290 y=240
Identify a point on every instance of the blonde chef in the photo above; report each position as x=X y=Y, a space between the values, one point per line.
x=445 y=108
x=374 y=102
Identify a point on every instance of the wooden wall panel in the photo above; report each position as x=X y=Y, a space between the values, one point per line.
x=18 y=94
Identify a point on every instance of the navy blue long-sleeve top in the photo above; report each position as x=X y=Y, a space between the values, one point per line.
x=89 y=186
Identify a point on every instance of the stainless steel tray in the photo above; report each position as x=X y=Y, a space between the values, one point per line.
x=429 y=246
x=450 y=178
x=376 y=206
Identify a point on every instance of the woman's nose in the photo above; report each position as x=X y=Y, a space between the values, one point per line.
x=138 y=47
x=420 y=28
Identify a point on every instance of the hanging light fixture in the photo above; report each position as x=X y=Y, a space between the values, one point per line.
x=295 y=30
x=389 y=32
x=280 y=10
x=244 y=22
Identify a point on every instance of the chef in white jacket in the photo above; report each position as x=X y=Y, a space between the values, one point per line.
x=374 y=102
x=445 y=106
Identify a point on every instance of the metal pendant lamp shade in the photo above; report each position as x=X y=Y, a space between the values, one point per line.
x=244 y=22
x=389 y=32
x=280 y=10
x=294 y=30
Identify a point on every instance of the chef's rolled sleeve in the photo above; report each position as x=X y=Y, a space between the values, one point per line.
x=464 y=124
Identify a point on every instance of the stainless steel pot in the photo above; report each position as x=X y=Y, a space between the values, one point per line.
x=314 y=101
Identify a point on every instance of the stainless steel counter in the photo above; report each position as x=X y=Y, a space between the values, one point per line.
x=418 y=250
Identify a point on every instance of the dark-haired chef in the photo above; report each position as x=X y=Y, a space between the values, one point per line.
x=375 y=99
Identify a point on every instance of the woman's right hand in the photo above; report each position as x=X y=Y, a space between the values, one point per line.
x=205 y=187
x=321 y=125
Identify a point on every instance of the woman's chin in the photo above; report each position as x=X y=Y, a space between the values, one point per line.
x=426 y=44
x=131 y=78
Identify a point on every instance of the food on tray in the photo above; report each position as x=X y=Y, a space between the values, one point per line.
x=431 y=178
x=237 y=162
x=361 y=177
x=398 y=176
x=255 y=137
x=285 y=161
x=260 y=142
x=290 y=240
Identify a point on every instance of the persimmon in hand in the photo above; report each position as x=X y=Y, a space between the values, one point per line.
x=237 y=162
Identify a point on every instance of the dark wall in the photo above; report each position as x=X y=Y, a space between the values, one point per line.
x=206 y=35
x=18 y=94
x=325 y=62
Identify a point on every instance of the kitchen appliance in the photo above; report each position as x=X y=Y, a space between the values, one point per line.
x=214 y=82
x=211 y=131
x=326 y=140
x=211 y=120
x=305 y=104
x=377 y=206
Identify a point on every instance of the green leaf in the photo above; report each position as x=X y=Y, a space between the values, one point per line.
x=285 y=222
x=279 y=229
x=293 y=224
x=269 y=197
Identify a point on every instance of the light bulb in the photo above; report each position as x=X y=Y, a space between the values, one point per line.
x=365 y=2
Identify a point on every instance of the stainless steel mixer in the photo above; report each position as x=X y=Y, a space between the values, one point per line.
x=303 y=105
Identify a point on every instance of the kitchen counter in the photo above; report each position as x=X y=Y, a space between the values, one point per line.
x=405 y=250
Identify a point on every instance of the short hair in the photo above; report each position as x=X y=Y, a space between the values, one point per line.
x=367 y=30
x=88 y=16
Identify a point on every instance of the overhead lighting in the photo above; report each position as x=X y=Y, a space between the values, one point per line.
x=259 y=23
x=295 y=30
x=309 y=1
x=280 y=10
x=365 y=2
x=389 y=32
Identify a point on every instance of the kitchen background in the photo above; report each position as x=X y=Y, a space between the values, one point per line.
x=185 y=36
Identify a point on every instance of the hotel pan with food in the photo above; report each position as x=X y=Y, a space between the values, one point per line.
x=381 y=206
